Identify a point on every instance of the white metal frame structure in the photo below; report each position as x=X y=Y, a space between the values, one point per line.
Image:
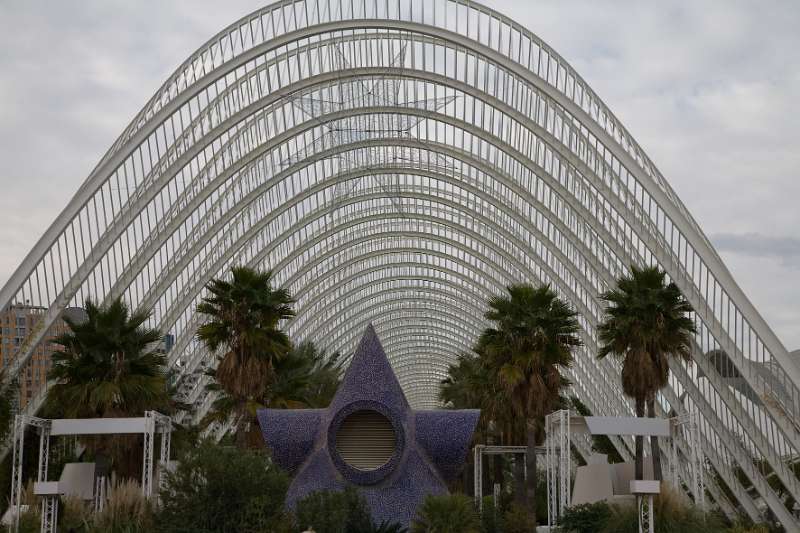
x=562 y=427
x=151 y=423
x=397 y=162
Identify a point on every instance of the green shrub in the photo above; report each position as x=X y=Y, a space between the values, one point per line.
x=673 y=515
x=741 y=528
x=449 y=513
x=585 y=518
x=491 y=517
x=220 y=489
x=334 y=512
x=517 y=519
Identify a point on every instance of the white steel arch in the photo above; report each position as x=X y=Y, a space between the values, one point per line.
x=398 y=161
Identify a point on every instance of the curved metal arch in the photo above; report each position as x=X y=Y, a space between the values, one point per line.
x=556 y=277
x=458 y=322
x=416 y=343
x=168 y=321
x=568 y=92
x=542 y=174
x=589 y=342
x=297 y=323
x=202 y=197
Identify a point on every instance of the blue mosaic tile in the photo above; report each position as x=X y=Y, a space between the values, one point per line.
x=430 y=446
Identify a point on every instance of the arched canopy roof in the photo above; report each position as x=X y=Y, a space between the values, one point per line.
x=398 y=162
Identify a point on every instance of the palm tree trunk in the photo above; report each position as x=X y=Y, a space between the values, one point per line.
x=654 y=449
x=530 y=481
x=639 y=473
x=519 y=479
x=468 y=476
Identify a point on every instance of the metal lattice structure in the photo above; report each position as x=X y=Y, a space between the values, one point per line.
x=397 y=162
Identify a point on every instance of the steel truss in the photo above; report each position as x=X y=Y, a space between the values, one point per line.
x=153 y=422
x=684 y=473
x=398 y=161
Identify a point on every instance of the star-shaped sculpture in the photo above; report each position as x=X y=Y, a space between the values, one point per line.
x=350 y=442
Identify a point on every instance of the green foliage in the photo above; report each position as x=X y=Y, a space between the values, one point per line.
x=222 y=489
x=491 y=517
x=585 y=518
x=243 y=314
x=673 y=515
x=107 y=366
x=741 y=528
x=334 y=512
x=515 y=375
x=647 y=322
x=8 y=393
x=517 y=519
x=449 y=513
x=30 y=521
x=305 y=377
x=242 y=318
x=531 y=340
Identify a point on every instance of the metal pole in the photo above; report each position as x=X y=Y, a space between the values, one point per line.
x=147 y=467
x=16 y=469
x=646 y=518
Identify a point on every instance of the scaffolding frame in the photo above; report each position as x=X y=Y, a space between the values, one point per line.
x=559 y=427
x=149 y=425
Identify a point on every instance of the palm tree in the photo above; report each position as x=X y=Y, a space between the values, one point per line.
x=305 y=377
x=530 y=343
x=8 y=394
x=647 y=323
x=244 y=315
x=108 y=366
x=323 y=373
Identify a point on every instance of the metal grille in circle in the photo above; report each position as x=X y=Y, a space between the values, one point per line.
x=366 y=440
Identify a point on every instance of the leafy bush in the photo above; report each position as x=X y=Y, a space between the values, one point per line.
x=449 y=513
x=673 y=515
x=741 y=528
x=517 y=519
x=334 y=512
x=585 y=518
x=491 y=517
x=221 y=489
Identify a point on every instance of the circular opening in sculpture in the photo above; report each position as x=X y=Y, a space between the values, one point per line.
x=366 y=440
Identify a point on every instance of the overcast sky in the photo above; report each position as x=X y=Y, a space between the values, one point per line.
x=710 y=89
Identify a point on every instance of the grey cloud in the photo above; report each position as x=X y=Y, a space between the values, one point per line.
x=755 y=244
